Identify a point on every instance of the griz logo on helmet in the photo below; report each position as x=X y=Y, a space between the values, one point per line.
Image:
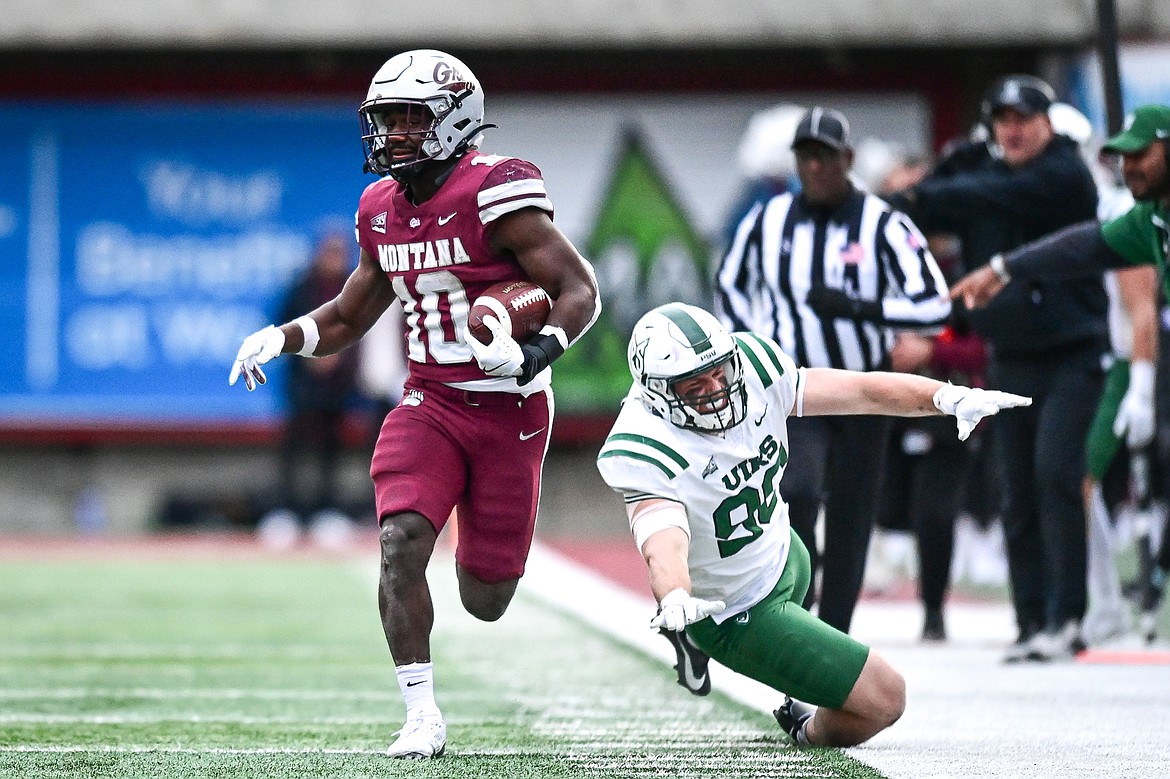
x=451 y=80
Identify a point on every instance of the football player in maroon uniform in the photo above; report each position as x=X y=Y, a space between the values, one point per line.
x=444 y=223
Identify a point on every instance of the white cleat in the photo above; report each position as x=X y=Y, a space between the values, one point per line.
x=420 y=739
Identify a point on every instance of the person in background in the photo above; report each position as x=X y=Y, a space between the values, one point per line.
x=919 y=502
x=442 y=224
x=1133 y=338
x=1139 y=237
x=765 y=162
x=319 y=394
x=698 y=453
x=928 y=469
x=1047 y=339
x=831 y=274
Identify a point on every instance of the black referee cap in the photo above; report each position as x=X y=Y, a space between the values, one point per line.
x=823 y=125
x=1027 y=94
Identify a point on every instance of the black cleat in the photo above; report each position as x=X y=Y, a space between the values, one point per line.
x=791 y=717
x=933 y=628
x=692 y=662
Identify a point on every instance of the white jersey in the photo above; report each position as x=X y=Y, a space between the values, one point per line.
x=728 y=482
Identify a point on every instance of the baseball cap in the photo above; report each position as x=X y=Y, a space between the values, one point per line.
x=1027 y=94
x=824 y=125
x=1144 y=126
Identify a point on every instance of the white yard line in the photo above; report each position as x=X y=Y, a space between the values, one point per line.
x=148 y=749
x=228 y=694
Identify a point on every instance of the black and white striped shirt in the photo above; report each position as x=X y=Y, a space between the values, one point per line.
x=783 y=248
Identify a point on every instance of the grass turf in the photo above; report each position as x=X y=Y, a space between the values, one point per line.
x=277 y=668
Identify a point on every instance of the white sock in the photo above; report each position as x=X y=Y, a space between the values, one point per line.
x=802 y=733
x=417 y=682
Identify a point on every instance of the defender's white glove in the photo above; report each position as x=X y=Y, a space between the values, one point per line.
x=503 y=356
x=679 y=608
x=970 y=404
x=1135 y=415
x=257 y=349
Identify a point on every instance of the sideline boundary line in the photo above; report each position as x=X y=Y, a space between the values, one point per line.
x=564 y=584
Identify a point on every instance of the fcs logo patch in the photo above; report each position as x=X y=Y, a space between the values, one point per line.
x=711 y=467
x=412 y=398
x=378 y=223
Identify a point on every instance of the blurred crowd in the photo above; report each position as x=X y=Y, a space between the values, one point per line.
x=940 y=515
x=331 y=403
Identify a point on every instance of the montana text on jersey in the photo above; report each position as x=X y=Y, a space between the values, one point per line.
x=438 y=254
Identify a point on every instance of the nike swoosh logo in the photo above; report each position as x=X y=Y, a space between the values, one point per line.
x=694 y=680
x=445 y=219
x=760 y=421
x=526 y=436
x=414 y=684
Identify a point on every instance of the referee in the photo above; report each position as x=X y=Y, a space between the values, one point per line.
x=831 y=274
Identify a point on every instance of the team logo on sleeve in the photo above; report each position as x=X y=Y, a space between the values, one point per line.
x=711 y=467
x=378 y=223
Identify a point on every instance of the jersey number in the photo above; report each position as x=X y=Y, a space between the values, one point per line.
x=738 y=519
x=425 y=311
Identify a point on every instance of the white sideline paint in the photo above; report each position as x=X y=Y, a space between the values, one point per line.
x=624 y=615
x=558 y=581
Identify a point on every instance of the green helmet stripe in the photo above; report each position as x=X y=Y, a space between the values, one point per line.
x=698 y=339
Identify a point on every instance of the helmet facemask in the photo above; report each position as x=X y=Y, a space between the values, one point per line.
x=415 y=122
x=714 y=411
x=427 y=96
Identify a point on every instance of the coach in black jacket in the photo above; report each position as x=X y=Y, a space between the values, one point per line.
x=1047 y=341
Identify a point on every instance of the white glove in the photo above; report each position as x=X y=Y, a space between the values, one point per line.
x=1135 y=415
x=970 y=404
x=257 y=349
x=679 y=608
x=503 y=356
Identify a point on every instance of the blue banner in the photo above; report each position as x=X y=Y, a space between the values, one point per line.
x=140 y=243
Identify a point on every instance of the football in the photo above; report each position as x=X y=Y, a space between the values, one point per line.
x=521 y=304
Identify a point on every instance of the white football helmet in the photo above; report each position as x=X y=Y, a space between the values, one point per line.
x=676 y=342
x=432 y=83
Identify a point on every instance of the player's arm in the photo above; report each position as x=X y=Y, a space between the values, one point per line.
x=1138 y=287
x=327 y=329
x=660 y=530
x=1038 y=189
x=552 y=262
x=831 y=391
x=1071 y=252
x=665 y=554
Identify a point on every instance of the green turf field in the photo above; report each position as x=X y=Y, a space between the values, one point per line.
x=277 y=668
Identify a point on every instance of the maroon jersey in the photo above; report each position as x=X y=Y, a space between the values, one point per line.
x=438 y=256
